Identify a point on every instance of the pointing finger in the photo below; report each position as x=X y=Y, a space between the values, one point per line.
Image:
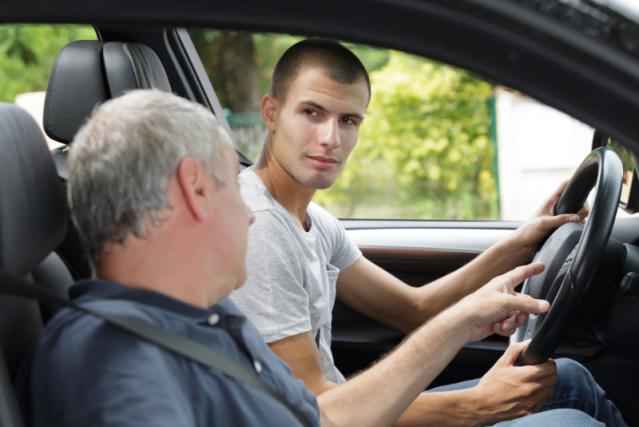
x=519 y=274
x=527 y=304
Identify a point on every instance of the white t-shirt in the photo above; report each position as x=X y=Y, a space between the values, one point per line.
x=291 y=272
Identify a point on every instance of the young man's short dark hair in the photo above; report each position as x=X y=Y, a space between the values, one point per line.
x=339 y=63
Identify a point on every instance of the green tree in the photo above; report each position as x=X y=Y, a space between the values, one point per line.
x=258 y=54
x=424 y=149
x=240 y=66
x=230 y=60
x=27 y=54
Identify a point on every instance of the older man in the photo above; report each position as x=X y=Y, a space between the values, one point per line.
x=154 y=194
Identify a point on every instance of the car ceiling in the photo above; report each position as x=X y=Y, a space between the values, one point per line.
x=504 y=41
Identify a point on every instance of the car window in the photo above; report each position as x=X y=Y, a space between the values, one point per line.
x=438 y=142
x=27 y=54
x=628 y=171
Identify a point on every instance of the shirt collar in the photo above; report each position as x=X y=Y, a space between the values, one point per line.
x=86 y=290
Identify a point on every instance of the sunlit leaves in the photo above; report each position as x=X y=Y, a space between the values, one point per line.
x=424 y=148
x=27 y=54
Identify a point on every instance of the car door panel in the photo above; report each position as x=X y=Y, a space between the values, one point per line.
x=416 y=255
x=420 y=252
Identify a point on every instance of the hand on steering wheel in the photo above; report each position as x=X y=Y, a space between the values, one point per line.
x=571 y=254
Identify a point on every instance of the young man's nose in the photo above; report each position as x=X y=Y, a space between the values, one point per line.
x=329 y=133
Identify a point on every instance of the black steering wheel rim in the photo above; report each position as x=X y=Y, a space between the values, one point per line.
x=601 y=169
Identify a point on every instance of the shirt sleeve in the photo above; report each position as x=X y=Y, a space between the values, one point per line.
x=274 y=297
x=343 y=251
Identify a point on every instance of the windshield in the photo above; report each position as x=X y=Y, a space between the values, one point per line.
x=629 y=8
x=614 y=22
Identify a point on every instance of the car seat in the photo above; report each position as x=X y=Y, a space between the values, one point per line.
x=33 y=222
x=33 y=210
x=85 y=74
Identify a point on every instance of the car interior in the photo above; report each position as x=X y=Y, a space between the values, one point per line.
x=34 y=213
x=38 y=243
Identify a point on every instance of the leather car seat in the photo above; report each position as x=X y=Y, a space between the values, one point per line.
x=86 y=74
x=33 y=210
x=33 y=222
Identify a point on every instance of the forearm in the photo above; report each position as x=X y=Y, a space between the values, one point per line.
x=449 y=408
x=376 y=293
x=382 y=393
x=436 y=296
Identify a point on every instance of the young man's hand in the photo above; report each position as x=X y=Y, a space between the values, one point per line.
x=548 y=207
x=525 y=240
x=507 y=391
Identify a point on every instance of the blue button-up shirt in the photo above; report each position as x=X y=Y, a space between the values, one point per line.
x=87 y=373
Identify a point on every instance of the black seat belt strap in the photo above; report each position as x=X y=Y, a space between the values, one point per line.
x=154 y=334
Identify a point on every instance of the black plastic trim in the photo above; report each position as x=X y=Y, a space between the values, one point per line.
x=500 y=39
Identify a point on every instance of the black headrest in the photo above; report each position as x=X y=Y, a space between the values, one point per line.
x=33 y=215
x=87 y=73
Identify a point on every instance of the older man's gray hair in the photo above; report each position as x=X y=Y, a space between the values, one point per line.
x=122 y=159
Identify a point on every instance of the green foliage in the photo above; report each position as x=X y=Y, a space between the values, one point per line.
x=27 y=53
x=624 y=154
x=270 y=47
x=247 y=125
x=373 y=58
x=424 y=149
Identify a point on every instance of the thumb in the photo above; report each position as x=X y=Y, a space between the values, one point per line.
x=512 y=353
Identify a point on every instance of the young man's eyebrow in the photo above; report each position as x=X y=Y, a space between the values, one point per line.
x=312 y=104
x=319 y=107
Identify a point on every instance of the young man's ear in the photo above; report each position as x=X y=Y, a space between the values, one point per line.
x=193 y=184
x=268 y=109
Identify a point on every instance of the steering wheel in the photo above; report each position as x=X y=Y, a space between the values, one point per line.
x=571 y=254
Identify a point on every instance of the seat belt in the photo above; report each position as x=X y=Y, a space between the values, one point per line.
x=154 y=334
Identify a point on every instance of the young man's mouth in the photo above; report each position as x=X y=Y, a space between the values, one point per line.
x=324 y=160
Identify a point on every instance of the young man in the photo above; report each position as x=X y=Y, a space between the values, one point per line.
x=154 y=195
x=300 y=258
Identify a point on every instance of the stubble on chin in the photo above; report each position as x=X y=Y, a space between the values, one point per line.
x=321 y=181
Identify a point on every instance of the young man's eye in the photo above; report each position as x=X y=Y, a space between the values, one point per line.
x=349 y=121
x=310 y=112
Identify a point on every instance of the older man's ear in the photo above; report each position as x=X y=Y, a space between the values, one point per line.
x=193 y=187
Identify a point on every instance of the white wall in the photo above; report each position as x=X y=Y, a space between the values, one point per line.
x=538 y=147
x=33 y=103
